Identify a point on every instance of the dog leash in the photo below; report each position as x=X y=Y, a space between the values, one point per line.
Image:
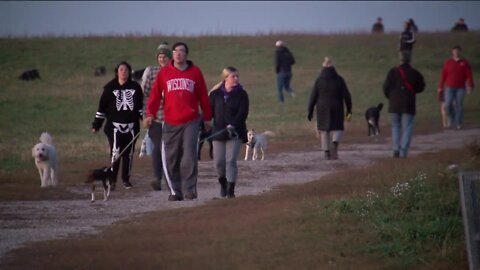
x=126 y=147
x=213 y=135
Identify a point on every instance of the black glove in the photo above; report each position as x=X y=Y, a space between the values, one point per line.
x=309 y=117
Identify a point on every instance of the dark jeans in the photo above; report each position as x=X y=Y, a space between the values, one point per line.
x=155 y=133
x=283 y=82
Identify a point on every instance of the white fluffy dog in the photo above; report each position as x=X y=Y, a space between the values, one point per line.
x=257 y=142
x=46 y=160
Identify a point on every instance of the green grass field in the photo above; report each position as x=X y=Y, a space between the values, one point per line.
x=312 y=226
x=65 y=100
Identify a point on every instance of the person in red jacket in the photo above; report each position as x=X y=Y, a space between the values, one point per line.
x=182 y=88
x=456 y=80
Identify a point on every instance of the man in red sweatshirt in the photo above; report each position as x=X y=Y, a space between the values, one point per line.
x=456 y=80
x=182 y=87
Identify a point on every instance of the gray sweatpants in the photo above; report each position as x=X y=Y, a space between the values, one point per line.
x=225 y=154
x=179 y=155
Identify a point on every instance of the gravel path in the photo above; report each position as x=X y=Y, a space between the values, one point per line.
x=22 y=222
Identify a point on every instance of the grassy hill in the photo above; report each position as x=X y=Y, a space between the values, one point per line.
x=64 y=101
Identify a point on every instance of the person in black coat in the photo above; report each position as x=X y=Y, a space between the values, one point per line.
x=328 y=95
x=401 y=86
x=377 y=27
x=121 y=104
x=407 y=39
x=284 y=61
x=230 y=107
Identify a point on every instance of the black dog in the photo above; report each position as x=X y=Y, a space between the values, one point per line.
x=100 y=71
x=105 y=175
x=30 y=75
x=137 y=74
x=203 y=134
x=372 y=115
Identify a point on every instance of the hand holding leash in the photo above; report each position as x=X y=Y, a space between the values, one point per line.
x=232 y=133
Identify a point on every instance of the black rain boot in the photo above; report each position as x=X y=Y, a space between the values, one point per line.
x=230 y=190
x=223 y=186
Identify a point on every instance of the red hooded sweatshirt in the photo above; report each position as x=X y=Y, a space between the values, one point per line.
x=182 y=92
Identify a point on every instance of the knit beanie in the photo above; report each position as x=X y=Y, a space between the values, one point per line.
x=164 y=49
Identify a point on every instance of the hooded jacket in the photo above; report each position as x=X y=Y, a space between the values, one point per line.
x=183 y=91
x=120 y=104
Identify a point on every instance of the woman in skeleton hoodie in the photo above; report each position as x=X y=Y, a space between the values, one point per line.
x=121 y=104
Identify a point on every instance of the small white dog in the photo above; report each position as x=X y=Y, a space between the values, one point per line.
x=46 y=160
x=257 y=142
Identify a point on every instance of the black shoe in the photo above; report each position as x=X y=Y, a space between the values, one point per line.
x=190 y=196
x=223 y=186
x=156 y=185
x=175 y=198
x=230 y=190
x=127 y=185
x=396 y=154
x=334 y=153
x=327 y=155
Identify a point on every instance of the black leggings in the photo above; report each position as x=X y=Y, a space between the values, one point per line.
x=118 y=141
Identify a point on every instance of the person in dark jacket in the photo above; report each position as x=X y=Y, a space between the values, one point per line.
x=407 y=39
x=328 y=95
x=377 y=27
x=284 y=61
x=230 y=107
x=413 y=25
x=121 y=104
x=460 y=26
x=401 y=86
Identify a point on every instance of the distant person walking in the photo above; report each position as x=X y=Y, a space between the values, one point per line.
x=460 y=26
x=407 y=39
x=377 y=27
x=230 y=107
x=328 y=95
x=121 y=104
x=456 y=79
x=284 y=60
x=181 y=87
x=413 y=26
x=163 y=56
x=401 y=87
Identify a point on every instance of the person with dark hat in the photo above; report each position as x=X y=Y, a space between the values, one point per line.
x=401 y=87
x=378 y=26
x=460 y=26
x=154 y=134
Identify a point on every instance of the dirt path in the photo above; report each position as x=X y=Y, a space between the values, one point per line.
x=22 y=222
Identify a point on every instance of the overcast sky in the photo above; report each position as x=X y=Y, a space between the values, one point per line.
x=38 y=18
